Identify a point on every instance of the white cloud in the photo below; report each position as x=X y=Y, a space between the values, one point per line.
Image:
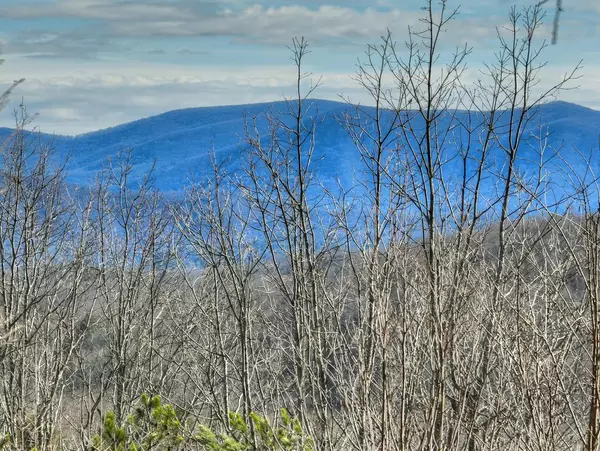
x=333 y=24
x=97 y=9
x=277 y=25
x=254 y=22
x=99 y=96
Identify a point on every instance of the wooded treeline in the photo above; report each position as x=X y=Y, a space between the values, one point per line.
x=448 y=301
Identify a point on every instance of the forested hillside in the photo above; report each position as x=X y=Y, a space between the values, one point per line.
x=178 y=145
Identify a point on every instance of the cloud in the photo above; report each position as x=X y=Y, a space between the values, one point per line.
x=320 y=24
x=269 y=24
x=109 y=10
x=116 y=23
x=187 y=51
x=64 y=44
x=232 y=19
x=98 y=95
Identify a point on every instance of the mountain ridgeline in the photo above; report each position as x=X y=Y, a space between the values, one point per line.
x=179 y=143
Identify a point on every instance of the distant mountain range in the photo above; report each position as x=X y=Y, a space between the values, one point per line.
x=180 y=141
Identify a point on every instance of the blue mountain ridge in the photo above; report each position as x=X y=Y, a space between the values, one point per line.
x=180 y=142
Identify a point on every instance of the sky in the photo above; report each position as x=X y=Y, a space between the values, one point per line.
x=92 y=64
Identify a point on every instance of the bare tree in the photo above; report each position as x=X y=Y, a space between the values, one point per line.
x=43 y=253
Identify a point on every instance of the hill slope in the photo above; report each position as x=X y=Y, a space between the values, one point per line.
x=179 y=142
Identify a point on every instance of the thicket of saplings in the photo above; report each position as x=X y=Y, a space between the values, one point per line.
x=450 y=300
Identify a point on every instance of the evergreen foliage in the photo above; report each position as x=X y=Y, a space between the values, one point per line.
x=155 y=426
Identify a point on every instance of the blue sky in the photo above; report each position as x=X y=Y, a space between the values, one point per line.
x=91 y=64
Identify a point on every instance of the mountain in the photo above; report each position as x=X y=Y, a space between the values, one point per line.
x=181 y=141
